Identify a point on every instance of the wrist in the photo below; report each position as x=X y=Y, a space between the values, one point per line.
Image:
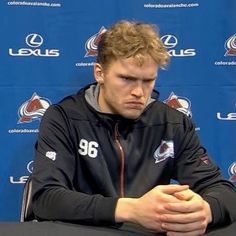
x=124 y=211
x=209 y=213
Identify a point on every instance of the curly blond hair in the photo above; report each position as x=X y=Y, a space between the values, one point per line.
x=128 y=39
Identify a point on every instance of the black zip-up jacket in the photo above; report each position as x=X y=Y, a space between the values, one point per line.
x=86 y=160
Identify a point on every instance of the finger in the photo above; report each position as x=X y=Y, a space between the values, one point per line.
x=181 y=218
x=164 y=198
x=167 y=198
x=192 y=233
x=182 y=207
x=184 y=228
x=194 y=204
x=184 y=195
x=172 y=188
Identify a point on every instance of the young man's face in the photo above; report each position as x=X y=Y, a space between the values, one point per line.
x=125 y=87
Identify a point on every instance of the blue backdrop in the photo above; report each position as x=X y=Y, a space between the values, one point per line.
x=47 y=51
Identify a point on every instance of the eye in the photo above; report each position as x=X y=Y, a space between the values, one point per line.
x=126 y=79
x=149 y=81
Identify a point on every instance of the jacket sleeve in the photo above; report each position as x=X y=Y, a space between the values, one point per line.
x=195 y=168
x=55 y=195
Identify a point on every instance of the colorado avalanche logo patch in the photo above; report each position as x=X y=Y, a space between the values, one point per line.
x=230 y=46
x=164 y=151
x=181 y=104
x=232 y=172
x=33 y=109
x=92 y=43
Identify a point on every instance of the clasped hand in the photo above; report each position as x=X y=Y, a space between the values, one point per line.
x=174 y=209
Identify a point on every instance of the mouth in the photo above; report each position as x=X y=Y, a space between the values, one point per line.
x=135 y=105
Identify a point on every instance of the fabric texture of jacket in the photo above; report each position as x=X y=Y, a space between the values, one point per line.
x=86 y=160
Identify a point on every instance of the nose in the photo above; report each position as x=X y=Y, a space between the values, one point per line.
x=137 y=89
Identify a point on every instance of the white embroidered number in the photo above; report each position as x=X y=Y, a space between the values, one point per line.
x=88 y=148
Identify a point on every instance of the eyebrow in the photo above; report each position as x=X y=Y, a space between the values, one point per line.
x=133 y=77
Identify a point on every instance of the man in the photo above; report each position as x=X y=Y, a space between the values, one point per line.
x=107 y=155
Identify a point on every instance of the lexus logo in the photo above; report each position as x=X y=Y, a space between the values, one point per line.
x=169 y=41
x=34 y=40
x=30 y=166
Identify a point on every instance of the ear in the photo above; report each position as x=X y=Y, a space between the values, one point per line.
x=98 y=73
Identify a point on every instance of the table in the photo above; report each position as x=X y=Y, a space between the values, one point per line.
x=68 y=229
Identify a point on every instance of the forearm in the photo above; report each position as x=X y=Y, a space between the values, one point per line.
x=66 y=205
x=222 y=200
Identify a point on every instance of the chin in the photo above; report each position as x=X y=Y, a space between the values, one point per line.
x=132 y=116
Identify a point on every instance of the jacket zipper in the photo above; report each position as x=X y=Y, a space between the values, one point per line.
x=122 y=160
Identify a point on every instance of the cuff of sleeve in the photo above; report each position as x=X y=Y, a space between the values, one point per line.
x=215 y=211
x=104 y=213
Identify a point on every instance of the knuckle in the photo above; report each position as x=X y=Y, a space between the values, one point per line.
x=203 y=226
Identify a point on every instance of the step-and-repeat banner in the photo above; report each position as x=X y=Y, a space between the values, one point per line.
x=47 y=51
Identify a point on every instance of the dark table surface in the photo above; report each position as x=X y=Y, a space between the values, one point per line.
x=66 y=229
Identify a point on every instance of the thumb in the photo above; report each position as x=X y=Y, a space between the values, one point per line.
x=185 y=195
x=171 y=189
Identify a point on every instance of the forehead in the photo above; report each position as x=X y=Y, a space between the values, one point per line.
x=131 y=66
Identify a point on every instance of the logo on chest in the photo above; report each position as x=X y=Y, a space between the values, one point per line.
x=165 y=150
